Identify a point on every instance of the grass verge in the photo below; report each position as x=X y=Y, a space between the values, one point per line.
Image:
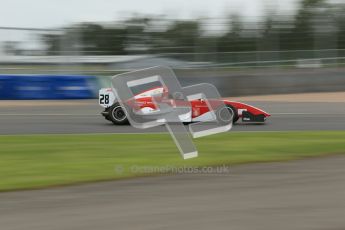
x=36 y=161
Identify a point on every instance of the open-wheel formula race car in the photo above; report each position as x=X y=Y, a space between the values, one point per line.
x=199 y=109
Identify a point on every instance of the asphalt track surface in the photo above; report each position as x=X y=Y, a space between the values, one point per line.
x=299 y=195
x=85 y=118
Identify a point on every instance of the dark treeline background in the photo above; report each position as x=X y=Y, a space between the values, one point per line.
x=317 y=24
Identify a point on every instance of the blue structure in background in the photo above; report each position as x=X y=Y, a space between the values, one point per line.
x=5 y=87
x=44 y=87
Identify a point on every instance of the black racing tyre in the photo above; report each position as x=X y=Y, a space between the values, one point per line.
x=234 y=112
x=117 y=115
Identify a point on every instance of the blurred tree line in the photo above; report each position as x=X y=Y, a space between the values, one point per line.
x=317 y=24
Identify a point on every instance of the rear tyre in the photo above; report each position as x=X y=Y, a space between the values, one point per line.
x=117 y=115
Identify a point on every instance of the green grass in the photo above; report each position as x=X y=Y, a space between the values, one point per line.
x=35 y=161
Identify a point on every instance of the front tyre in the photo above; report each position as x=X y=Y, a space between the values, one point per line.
x=117 y=115
x=233 y=112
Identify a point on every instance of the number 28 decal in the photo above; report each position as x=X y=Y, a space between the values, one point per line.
x=104 y=99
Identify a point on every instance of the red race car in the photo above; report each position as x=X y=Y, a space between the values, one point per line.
x=199 y=112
